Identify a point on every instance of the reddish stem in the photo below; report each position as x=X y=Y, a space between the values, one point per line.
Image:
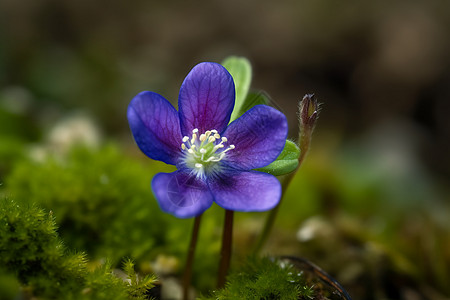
x=190 y=258
x=225 y=253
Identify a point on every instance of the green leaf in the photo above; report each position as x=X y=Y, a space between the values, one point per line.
x=252 y=99
x=286 y=162
x=241 y=70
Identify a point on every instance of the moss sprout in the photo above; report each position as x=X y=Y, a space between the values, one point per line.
x=264 y=278
x=137 y=286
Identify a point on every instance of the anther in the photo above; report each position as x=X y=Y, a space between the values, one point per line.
x=198 y=165
x=207 y=134
x=185 y=139
x=183 y=146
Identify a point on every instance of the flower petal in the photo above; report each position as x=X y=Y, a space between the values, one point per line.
x=258 y=135
x=181 y=195
x=155 y=126
x=246 y=191
x=206 y=98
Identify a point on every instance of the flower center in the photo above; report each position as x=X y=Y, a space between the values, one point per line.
x=202 y=152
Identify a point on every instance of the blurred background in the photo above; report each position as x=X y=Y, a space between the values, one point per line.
x=374 y=187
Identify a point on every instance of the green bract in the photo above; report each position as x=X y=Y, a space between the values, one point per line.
x=286 y=162
x=241 y=71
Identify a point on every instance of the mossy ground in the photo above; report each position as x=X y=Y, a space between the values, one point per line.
x=95 y=205
x=33 y=256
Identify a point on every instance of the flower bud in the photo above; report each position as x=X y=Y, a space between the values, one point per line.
x=308 y=112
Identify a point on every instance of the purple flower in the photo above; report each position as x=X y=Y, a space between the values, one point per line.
x=215 y=160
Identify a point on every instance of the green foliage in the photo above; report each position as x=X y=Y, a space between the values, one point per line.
x=11 y=150
x=9 y=285
x=102 y=199
x=17 y=125
x=30 y=247
x=137 y=286
x=286 y=162
x=101 y=284
x=241 y=70
x=16 y=129
x=265 y=278
x=31 y=250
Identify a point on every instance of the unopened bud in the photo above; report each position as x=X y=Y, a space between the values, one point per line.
x=308 y=112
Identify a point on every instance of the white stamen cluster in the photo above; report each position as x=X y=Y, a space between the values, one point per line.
x=204 y=150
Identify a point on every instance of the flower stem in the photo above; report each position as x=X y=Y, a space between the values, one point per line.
x=225 y=253
x=308 y=112
x=268 y=225
x=190 y=258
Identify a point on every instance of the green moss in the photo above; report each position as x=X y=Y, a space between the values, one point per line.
x=137 y=286
x=31 y=250
x=264 y=278
x=11 y=150
x=9 y=285
x=102 y=199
